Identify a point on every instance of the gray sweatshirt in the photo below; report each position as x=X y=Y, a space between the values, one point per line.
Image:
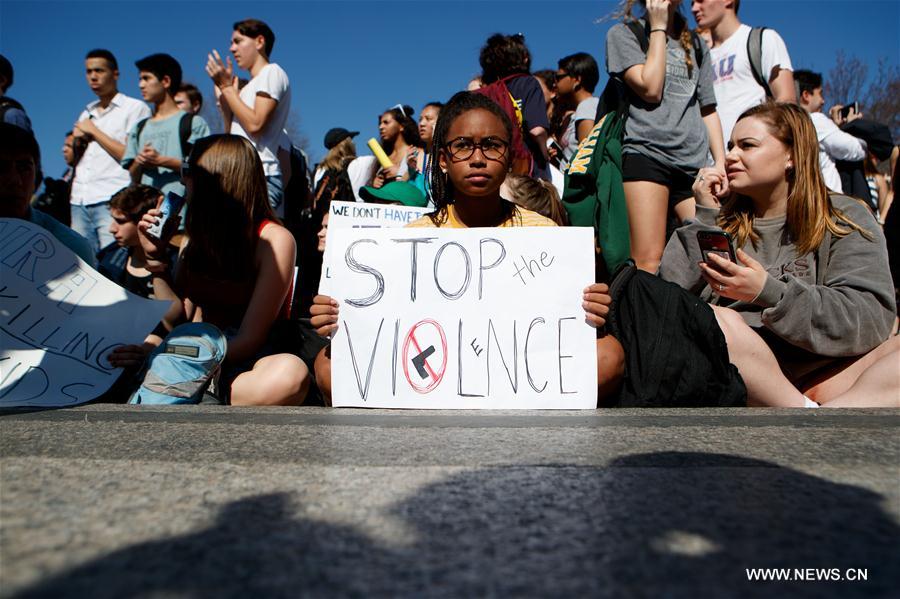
x=835 y=301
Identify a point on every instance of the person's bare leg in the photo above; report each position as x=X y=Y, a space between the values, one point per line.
x=278 y=380
x=610 y=367
x=685 y=209
x=647 y=204
x=322 y=369
x=837 y=378
x=766 y=384
x=876 y=383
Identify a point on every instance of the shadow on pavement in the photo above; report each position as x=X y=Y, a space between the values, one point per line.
x=672 y=524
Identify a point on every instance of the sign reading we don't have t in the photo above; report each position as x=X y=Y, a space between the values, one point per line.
x=463 y=318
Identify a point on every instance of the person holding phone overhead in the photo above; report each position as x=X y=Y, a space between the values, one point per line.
x=810 y=293
x=835 y=145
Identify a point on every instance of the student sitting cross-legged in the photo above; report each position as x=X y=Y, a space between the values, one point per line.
x=235 y=271
x=472 y=139
x=810 y=293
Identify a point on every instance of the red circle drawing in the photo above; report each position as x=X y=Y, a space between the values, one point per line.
x=435 y=377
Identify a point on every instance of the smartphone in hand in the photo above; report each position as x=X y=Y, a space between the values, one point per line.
x=718 y=243
x=170 y=207
x=845 y=111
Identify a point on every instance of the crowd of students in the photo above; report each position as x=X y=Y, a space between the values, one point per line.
x=805 y=310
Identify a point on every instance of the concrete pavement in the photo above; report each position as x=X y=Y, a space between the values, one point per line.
x=199 y=501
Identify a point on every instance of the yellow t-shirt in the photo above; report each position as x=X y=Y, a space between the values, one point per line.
x=520 y=218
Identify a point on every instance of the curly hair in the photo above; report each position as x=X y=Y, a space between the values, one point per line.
x=441 y=188
x=504 y=55
x=409 y=129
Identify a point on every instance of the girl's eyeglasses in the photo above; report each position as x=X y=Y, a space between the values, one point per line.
x=492 y=148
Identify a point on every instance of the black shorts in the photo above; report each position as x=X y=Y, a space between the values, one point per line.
x=637 y=167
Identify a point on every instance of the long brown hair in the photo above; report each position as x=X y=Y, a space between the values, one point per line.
x=228 y=201
x=810 y=212
x=626 y=13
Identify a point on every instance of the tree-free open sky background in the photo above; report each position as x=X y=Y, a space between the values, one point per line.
x=350 y=60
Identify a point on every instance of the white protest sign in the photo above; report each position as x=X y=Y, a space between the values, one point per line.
x=357 y=215
x=463 y=318
x=59 y=320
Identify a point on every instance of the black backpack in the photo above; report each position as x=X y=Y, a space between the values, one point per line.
x=675 y=351
x=184 y=132
x=6 y=104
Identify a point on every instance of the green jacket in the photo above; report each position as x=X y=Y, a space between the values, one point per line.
x=594 y=195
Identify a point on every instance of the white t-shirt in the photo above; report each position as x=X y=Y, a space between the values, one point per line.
x=359 y=171
x=736 y=88
x=835 y=144
x=98 y=175
x=273 y=81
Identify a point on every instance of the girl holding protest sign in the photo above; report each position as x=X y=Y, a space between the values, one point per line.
x=808 y=291
x=235 y=271
x=471 y=139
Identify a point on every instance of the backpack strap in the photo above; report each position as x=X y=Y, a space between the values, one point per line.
x=138 y=129
x=639 y=29
x=616 y=96
x=184 y=134
x=754 y=53
x=698 y=49
x=6 y=104
x=520 y=118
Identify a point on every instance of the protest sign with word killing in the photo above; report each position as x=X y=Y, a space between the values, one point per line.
x=463 y=318
x=59 y=320
x=356 y=215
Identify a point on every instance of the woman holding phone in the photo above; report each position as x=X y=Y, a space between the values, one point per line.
x=811 y=291
x=234 y=270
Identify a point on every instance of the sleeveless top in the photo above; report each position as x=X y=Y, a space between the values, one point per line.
x=224 y=303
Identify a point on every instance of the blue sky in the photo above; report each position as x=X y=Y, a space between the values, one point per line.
x=350 y=60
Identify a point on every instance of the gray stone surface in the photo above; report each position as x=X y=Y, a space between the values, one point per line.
x=117 y=501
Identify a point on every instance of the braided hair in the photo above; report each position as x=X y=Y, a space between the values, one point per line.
x=441 y=188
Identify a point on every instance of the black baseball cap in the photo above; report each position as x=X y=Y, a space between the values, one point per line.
x=337 y=135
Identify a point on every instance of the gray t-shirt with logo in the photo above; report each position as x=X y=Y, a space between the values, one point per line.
x=671 y=132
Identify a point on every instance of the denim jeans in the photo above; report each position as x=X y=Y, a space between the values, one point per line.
x=275 y=185
x=93 y=223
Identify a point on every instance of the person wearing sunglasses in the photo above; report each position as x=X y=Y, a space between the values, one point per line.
x=399 y=136
x=576 y=80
